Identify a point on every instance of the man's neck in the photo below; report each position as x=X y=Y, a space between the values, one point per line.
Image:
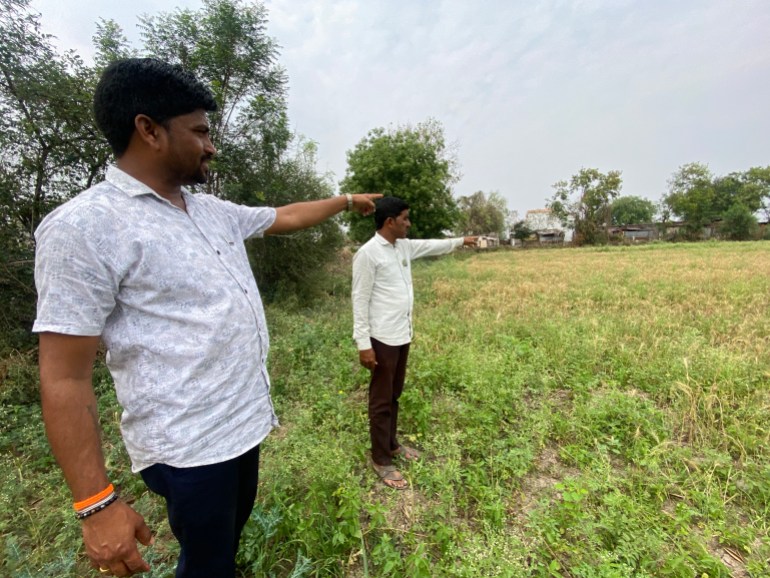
x=171 y=192
x=387 y=235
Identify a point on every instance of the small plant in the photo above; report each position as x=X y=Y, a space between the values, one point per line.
x=564 y=434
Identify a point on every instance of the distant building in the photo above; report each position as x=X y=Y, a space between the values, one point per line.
x=487 y=241
x=547 y=226
x=635 y=233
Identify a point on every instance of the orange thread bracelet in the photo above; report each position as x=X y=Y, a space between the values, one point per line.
x=94 y=499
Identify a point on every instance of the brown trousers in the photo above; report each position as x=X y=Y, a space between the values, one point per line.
x=384 y=390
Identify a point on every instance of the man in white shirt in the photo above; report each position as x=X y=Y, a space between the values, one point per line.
x=161 y=276
x=383 y=301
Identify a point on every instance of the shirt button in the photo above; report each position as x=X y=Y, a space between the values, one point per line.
x=218 y=253
x=246 y=291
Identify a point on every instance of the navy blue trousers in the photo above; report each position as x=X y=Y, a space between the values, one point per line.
x=207 y=509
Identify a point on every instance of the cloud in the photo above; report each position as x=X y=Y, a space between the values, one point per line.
x=530 y=91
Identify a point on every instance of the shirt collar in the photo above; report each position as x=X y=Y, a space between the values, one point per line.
x=383 y=241
x=132 y=186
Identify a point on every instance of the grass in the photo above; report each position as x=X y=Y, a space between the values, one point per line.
x=583 y=413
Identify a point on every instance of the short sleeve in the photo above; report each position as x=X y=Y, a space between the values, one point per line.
x=76 y=287
x=252 y=221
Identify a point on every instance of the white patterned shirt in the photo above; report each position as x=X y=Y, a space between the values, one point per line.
x=173 y=297
x=382 y=293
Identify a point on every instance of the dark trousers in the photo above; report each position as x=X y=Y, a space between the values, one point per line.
x=207 y=509
x=384 y=390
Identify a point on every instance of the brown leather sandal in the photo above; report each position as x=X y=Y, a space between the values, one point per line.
x=390 y=476
x=409 y=454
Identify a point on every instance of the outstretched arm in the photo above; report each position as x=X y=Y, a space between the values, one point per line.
x=303 y=215
x=431 y=247
x=72 y=425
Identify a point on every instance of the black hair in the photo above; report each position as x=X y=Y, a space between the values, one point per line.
x=149 y=86
x=388 y=207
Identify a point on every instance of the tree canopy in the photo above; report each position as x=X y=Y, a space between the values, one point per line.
x=584 y=203
x=258 y=161
x=698 y=197
x=739 y=223
x=758 y=178
x=630 y=210
x=409 y=162
x=521 y=231
x=50 y=148
x=482 y=215
x=225 y=44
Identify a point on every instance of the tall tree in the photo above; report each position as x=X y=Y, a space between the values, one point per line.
x=758 y=180
x=699 y=198
x=226 y=45
x=482 y=215
x=632 y=210
x=691 y=197
x=110 y=43
x=49 y=148
x=409 y=162
x=584 y=202
x=735 y=189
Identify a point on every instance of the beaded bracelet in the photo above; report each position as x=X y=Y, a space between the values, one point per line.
x=97 y=507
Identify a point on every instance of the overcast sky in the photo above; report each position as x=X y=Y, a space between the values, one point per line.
x=529 y=91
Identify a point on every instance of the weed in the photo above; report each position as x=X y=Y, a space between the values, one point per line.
x=583 y=413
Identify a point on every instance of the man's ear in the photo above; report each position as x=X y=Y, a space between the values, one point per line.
x=149 y=131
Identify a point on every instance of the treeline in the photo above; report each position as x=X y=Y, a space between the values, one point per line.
x=699 y=198
x=50 y=148
x=590 y=202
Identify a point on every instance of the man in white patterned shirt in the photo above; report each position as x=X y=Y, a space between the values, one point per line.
x=383 y=300
x=161 y=277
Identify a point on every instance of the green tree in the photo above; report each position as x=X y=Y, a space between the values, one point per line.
x=736 y=189
x=110 y=43
x=739 y=223
x=632 y=210
x=49 y=150
x=699 y=198
x=521 y=231
x=409 y=162
x=482 y=215
x=225 y=44
x=291 y=265
x=758 y=178
x=691 y=197
x=584 y=203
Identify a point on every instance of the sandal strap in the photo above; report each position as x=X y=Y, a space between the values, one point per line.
x=407 y=452
x=389 y=472
x=393 y=476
